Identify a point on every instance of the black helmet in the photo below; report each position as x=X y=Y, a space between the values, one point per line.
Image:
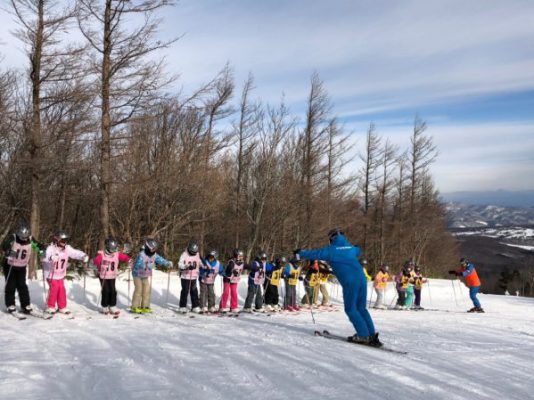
x=296 y=258
x=417 y=268
x=111 y=245
x=261 y=255
x=464 y=261
x=213 y=253
x=192 y=247
x=333 y=233
x=364 y=262
x=23 y=232
x=151 y=245
x=283 y=260
x=239 y=253
x=60 y=236
x=385 y=268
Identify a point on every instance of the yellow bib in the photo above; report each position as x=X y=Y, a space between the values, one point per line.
x=293 y=275
x=275 y=277
x=314 y=279
x=323 y=277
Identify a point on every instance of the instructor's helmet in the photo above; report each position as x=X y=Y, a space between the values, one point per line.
x=60 y=238
x=151 y=245
x=464 y=261
x=213 y=253
x=333 y=233
x=261 y=255
x=192 y=247
x=111 y=245
x=23 y=233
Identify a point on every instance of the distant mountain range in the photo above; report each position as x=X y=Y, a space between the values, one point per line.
x=487 y=216
x=504 y=198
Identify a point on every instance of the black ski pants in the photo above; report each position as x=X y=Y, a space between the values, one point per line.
x=16 y=281
x=109 y=293
x=189 y=287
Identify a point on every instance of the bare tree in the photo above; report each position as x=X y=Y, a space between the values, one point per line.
x=128 y=78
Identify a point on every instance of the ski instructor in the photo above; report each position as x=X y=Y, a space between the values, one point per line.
x=343 y=258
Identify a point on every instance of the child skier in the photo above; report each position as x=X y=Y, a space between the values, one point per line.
x=291 y=276
x=468 y=271
x=17 y=249
x=272 y=281
x=402 y=284
x=231 y=278
x=324 y=275
x=145 y=262
x=189 y=265
x=380 y=285
x=311 y=284
x=209 y=270
x=418 y=281
x=107 y=264
x=256 y=279
x=55 y=264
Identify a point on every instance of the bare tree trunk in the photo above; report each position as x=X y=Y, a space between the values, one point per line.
x=35 y=147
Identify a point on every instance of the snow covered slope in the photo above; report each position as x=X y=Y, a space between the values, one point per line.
x=452 y=354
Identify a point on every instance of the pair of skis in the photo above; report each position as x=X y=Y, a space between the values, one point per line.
x=326 y=334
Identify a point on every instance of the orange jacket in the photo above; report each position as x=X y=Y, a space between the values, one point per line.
x=470 y=275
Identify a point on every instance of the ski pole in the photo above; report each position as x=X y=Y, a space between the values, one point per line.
x=311 y=307
x=429 y=294
x=454 y=291
x=168 y=285
x=129 y=279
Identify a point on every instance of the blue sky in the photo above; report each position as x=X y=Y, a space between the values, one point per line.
x=466 y=67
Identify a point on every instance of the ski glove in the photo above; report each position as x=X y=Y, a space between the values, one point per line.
x=301 y=278
x=191 y=267
x=235 y=272
x=455 y=273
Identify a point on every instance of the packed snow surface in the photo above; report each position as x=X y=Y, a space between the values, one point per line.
x=452 y=354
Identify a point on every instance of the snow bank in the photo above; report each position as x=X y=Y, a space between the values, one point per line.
x=452 y=354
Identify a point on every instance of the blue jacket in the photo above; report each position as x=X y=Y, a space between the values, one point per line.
x=211 y=265
x=342 y=257
x=139 y=265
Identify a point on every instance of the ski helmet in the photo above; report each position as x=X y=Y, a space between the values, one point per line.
x=464 y=261
x=417 y=268
x=151 y=245
x=23 y=232
x=213 y=253
x=60 y=237
x=333 y=233
x=283 y=260
x=261 y=255
x=364 y=262
x=111 y=245
x=385 y=268
x=296 y=258
x=192 y=247
x=239 y=254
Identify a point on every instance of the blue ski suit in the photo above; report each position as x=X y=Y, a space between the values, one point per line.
x=343 y=258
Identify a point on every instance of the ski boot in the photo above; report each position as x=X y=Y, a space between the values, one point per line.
x=474 y=309
x=136 y=310
x=146 y=310
x=479 y=310
x=11 y=309
x=104 y=310
x=359 y=339
x=247 y=310
x=374 y=341
x=65 y=311
x=196 y=310
x=50 y=310
x=27 y=310
x=114 y=310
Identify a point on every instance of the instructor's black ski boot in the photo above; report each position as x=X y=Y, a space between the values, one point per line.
x=359 y=339
x=375 y=342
